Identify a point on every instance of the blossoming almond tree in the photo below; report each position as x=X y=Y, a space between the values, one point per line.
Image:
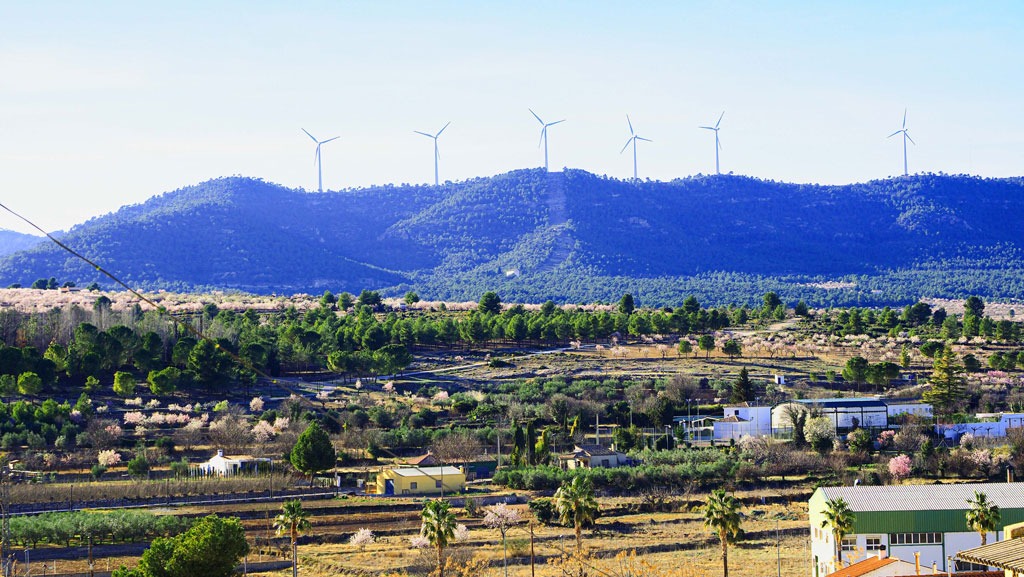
x=502 y=517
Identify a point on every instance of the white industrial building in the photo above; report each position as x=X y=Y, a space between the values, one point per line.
x=902 y=520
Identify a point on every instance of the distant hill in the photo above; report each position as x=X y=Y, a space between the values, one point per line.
x=571 y=236
x=11 y=241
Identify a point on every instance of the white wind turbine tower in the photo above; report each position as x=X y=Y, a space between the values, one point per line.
x=544 y=135
x=316 y=159
x=632 y=139
x=437 y=155
x=718 y=144
x=906 y=137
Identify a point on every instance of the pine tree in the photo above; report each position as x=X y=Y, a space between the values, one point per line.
x=948 y=382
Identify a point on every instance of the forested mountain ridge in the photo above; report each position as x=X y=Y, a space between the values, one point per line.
x=11 y=241
x=570 y=236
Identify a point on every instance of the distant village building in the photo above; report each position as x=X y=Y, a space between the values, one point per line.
x=592 y=456
x=906 y=519
x=222 y=465
x=418 y=481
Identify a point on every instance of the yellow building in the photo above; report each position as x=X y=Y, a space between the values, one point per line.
x=419 y=481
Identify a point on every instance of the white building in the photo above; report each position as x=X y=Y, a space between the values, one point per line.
x=988 y=425
x=906 y=519
x=223 y=465
x=850 y=413
x=743 y=420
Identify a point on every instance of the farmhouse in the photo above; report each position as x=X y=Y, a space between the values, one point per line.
x=907 y=519
x=743 y=420
x=591 y=456
x=222 y=465
x=418 y=481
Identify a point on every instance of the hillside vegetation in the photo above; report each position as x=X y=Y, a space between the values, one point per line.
x=570 y=236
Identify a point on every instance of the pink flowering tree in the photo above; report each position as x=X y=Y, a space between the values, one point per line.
x=502 y=517
x=899 y=467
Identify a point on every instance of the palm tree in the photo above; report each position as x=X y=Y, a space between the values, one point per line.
x=576 y=504
x=722 y=515
x=983 y=515
x=840 y=518
x=292 y=520
x=438 y=528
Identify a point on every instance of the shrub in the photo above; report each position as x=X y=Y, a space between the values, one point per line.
x=138 y=467
x=543 y=509
x=97 y=471
x=124 y=384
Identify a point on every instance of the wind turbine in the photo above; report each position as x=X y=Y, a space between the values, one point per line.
x=906 y=137
x=316 y=159
x=437 y=155
x=632 y=139
x=544 y=135
x=718 y=144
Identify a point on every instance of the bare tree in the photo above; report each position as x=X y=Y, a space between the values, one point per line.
x=458 y=447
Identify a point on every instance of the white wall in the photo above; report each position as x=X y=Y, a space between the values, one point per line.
x=953 y=543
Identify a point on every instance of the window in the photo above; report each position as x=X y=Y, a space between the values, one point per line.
x=849 y=543
x=437 y=484
x=604 y=462
x=959 y=565
x=915 y=538
x=873 y=544
x=414 y=485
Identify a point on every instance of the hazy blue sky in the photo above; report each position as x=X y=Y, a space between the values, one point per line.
x=104 y=104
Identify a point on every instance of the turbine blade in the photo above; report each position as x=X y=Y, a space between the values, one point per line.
x=707 y=128
x=442 y=130
x=311 y=136
x=555 y=122
x=626 y=146
x=330 y=139
x=910 y=139
x=720 y=119
x=904 y=118
x=630 y=123
x=644 y=139
x=719 y=143
x=894 y=133
x=424 y=134
x=543 y=131
x=535 y=115
x=316 y=157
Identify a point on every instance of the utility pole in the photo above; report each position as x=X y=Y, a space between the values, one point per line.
x=6 y=556
x=532 y=574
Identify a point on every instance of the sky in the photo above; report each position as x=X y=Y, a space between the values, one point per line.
x=105 y=104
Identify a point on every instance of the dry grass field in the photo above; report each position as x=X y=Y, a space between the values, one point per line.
x=668 y=541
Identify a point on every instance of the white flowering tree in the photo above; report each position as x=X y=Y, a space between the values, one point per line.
x=502 y=517
x=362 y=538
